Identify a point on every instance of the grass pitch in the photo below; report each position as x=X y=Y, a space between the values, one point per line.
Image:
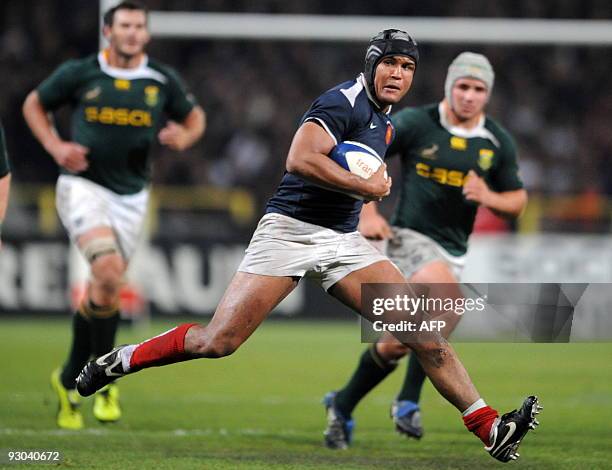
x=260 y=408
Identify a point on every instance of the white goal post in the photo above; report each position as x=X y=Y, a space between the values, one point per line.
x=256 y=26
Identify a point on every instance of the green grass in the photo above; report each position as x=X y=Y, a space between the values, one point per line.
x=260 y=408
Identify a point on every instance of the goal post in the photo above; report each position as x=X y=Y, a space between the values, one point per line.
x=299 y=27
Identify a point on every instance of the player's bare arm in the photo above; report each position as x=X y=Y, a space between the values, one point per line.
x=372 y=225
x=506 y=204
x=5 y=184
x=69 y=155
x=308 y=158
x=181 y=136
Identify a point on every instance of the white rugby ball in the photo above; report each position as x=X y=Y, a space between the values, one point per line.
x=357 y=158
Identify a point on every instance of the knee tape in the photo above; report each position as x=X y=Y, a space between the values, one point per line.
x=99 y=247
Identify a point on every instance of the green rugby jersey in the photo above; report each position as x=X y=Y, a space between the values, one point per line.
x=435 y=162
x=4 y=164
x=116 y=113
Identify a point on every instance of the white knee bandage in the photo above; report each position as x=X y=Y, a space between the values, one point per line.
x=99 y=247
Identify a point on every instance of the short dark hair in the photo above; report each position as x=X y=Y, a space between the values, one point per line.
x=109 y=16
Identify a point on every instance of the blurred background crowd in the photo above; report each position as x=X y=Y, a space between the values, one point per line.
x=555 y=100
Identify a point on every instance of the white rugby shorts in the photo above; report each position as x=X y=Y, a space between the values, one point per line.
x=411 y=250
x=83 y=205
x=284 y=246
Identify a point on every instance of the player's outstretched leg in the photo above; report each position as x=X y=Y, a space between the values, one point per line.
x=447 y=373
x=246 y=303
x=405 y=409
x=163 y=349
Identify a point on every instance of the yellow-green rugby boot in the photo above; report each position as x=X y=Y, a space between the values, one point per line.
x=68 y=414
x=106 y=404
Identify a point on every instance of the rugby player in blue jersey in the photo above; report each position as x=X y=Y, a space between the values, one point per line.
x=311 y=231
x=454 y=158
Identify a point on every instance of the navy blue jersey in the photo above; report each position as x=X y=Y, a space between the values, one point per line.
x=4 y=164
x=346 y=113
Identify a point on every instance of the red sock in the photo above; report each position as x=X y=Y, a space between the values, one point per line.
x=480 y=422
x=167 y=348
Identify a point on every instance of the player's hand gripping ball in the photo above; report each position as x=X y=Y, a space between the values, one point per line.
x=357 y=158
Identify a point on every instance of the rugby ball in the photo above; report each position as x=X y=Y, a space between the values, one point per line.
x=357 y=158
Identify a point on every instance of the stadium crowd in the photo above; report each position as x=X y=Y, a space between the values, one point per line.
x=555 y=100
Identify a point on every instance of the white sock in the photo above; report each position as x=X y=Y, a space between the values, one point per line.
x=478 y=404
x=126 y=357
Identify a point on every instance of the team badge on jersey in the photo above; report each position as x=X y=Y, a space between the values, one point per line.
x=151 y=95
x=121 y=84
x=430 y=152
x=485 y=158
x=93 y=94
x=389 y=133
x=458 y=143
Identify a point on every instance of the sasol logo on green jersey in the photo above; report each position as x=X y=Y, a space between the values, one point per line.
x=441 y=175
x=119 y=116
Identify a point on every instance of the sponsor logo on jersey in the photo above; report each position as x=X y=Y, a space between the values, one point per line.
x=373 y=126
x=485 y=158
x=445 y=176
x=121 y=84
x=118 y=116
x=458 y=143
x=389 y=133
x=151 y=95
x=92 y=94
x=430 y=152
